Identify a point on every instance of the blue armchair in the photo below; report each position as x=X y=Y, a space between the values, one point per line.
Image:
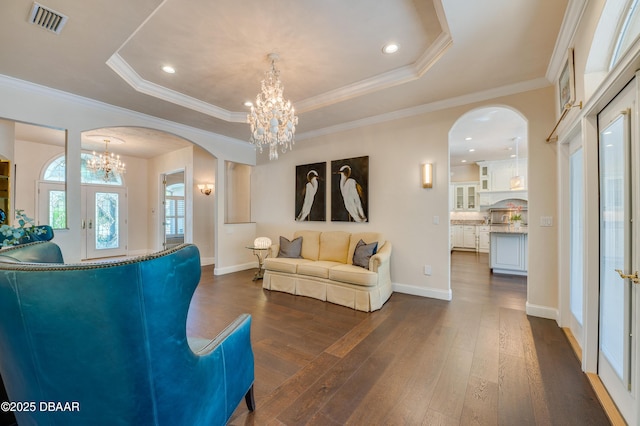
x=105 y=343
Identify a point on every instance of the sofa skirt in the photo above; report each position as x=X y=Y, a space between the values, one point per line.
x=356 y=297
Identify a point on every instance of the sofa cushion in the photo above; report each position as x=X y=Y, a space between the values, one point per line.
x=363 y=253
x=310 y=243
x=353 y=275
x=290 y=249
x=283 y=264
x=334 y=246
x=367 y=237
x=318 y=269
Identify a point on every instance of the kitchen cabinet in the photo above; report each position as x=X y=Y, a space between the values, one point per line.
x=469 y=237
x=457 y=235
x=484 y=177
x=463 y=237
x=509 y=253
x=484 y=240
x=465 y=197
x=496 y=175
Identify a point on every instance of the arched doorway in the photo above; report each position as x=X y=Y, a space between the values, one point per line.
x=488 y=198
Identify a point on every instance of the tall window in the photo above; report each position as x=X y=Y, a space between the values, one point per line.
x=629 y=30
x=174 y=210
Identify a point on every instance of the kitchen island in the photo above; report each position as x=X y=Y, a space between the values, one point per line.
x=509 y=251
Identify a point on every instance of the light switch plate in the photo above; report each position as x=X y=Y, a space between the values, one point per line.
x=546 y=221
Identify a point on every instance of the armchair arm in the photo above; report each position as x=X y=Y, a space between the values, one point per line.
x=228 y=331
x=275 y=249
x=382 y=257
x=212 y=381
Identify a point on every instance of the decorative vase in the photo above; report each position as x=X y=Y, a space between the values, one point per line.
x=516 y=225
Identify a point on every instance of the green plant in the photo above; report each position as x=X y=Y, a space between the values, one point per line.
x=20 y=233
x=516 y=215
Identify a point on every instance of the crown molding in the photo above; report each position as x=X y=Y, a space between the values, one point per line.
x=485 y=95
x=133 y=79
x=568 y=29
x=27 y=86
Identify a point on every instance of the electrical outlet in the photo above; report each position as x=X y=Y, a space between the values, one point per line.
x=436 y=220
x=427 y=269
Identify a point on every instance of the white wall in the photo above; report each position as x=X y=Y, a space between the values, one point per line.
x=29 y=160
x=204 y=171
x=403 y=210
x=466 y=173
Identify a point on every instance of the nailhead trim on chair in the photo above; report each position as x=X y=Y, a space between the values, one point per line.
x=37 y=267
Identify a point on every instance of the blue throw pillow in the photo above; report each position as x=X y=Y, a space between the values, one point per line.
x=290 y=249
x=363 y=253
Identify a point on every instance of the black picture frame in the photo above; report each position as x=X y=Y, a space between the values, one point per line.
x=350 y=190
x=310 y=205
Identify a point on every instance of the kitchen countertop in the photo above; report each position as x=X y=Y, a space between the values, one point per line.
x=508 y=229
x=467 y=222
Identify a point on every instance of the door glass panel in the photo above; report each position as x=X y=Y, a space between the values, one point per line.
x=577 y=232
x=613 y=243
x=106 y=221
x=174 y=209
x=57 y=209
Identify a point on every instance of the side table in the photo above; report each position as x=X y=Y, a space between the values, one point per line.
x=261 y=253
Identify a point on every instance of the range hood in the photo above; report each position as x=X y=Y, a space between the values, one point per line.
x=489 y=199
x=508 y=204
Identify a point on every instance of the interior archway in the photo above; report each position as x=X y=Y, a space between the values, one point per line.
x=488 y=156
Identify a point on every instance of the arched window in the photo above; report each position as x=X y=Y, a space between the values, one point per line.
x=56 y=172
x=629 y=30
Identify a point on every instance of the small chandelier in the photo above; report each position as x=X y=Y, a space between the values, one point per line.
x=107 y=162
x=273 y=121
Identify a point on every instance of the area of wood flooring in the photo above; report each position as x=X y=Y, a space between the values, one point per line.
x=477 y=360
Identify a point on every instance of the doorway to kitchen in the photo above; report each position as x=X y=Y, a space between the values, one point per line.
x=488 y=194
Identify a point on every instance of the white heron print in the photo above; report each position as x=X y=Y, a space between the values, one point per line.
x=349 y=193
x=310 y=192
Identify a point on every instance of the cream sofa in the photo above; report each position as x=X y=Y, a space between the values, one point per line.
x=326 y=270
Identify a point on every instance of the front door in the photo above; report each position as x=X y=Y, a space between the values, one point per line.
x=104 y=222
x=618 y=251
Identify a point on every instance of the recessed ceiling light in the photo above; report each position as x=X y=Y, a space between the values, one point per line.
x=390 y=48
x=468 y=138
x=513 y=156
x=463 y=161
x=168 y=69
x=472 y=150
x=248 y=104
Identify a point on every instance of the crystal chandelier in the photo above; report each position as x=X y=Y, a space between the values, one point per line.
x=273 y=121
x=107 y=162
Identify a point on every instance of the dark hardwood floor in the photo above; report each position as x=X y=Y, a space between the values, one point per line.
x=477 y=360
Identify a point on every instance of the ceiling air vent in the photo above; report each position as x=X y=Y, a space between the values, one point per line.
x=47 y=18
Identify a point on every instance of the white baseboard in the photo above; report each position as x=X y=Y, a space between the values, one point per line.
x=542 y=311
x=234 y=268
x=204 y=261
x=422 y=291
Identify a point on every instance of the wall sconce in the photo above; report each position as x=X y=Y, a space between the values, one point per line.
x=205 y=188
x=427 y=175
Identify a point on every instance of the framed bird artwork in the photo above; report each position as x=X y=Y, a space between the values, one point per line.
x=311 y=192
x=350 y=190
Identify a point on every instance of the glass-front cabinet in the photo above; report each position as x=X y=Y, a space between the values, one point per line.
x=465 y=196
